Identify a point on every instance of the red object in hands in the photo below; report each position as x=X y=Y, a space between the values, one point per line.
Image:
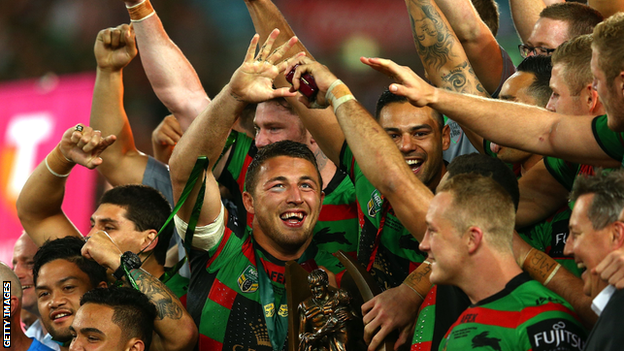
x=307 y=85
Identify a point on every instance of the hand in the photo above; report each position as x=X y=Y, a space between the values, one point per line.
x=409 y=84
x=101 y=248
x=322 y=76
x=395 y=308
x=115 y=47
x=165 y=137
x=611 y=268
x=253 y=80
x=84 y=147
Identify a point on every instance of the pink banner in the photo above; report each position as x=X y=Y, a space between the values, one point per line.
x=34 y=114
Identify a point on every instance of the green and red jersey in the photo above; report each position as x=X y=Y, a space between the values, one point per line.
x=523 y=316
x=386 y=248
x=337 y=226
x=225 y=296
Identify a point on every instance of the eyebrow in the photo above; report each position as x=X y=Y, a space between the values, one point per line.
x=507 y=97
x=105 y=220
x=91 y=330
x=412 y=128
x=59 y=282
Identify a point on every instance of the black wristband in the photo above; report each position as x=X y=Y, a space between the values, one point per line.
x=129 y=260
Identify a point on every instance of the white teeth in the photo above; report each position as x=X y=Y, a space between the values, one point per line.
x=26 y=286
x=413 y=162
x=290 y=215
x=580 y=265
x=61 y=315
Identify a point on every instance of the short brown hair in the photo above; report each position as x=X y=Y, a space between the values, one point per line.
x=608 y=190
x=480 y=201
x=581 y=19
x=609 y=41
x=575 y=55
x=488 y=11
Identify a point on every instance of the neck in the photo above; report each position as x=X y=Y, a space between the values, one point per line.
x=489 y=276
x=325 y=166
x=529 y=163
x=152 y=267
x=19 y=341
x=276 y=250
x=433 y=183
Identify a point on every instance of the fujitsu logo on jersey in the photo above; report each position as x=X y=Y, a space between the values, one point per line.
x=561 y=333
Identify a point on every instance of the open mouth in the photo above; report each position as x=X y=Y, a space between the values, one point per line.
x=293 y=218
x=27 y=286
x=60 y=316
x=414 y=164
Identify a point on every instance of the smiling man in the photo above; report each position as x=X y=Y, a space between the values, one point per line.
x=237 y=294
x=61 y=276
x=113 y=319
x=469 y=231
x=596 y=229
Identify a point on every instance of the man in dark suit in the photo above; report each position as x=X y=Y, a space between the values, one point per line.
x=596 y=229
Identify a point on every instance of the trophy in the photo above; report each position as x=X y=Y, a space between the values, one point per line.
x=326 y=318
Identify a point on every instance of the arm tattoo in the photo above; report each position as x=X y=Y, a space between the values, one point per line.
x=462 y=79
x=418 y=276
x=167 y=305
x=433 y=39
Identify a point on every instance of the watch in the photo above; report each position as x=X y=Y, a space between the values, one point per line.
x=130 y=261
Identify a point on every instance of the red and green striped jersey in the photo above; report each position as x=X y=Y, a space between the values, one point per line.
x=386 y=248
x=523 y=316
x=336 y=228
x=224 y=293
x=440 y=309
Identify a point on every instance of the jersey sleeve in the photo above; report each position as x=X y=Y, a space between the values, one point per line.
x=612 y=143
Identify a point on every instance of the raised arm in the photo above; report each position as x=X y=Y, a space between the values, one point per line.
x=376 y=154
x=171 y=75
x=173 y=326
x=39 y=203
x=322 y=124
x=525 y=14
x=165 y=137
x=543 y=132
x=442 y=55
x=251 y=83
x=477 y=39
x=114 y=49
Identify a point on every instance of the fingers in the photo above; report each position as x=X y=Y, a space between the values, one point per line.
x=265 y=50
x=284 y=92
x=404 y=336
x=251 y=50
x=278 y=53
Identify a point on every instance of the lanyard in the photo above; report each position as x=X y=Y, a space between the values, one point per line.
x=384 y=213
x=276 y=320
x=277 y=323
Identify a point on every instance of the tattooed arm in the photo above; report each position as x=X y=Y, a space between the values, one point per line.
x=442 y=55
x=477 y=39
x=174 y=327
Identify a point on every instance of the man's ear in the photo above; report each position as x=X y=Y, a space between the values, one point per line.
x=248 y=202
x=151 y=239
x=446 y=137
x=102 y=284
x=473 y=239
x=135 y=344
x=15 y=305
x=618 y=234
x=592 y=99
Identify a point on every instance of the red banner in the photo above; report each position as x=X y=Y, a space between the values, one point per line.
x=34 y=114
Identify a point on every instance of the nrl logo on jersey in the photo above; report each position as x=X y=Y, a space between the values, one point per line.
x=248 y=280
x=374 y=204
